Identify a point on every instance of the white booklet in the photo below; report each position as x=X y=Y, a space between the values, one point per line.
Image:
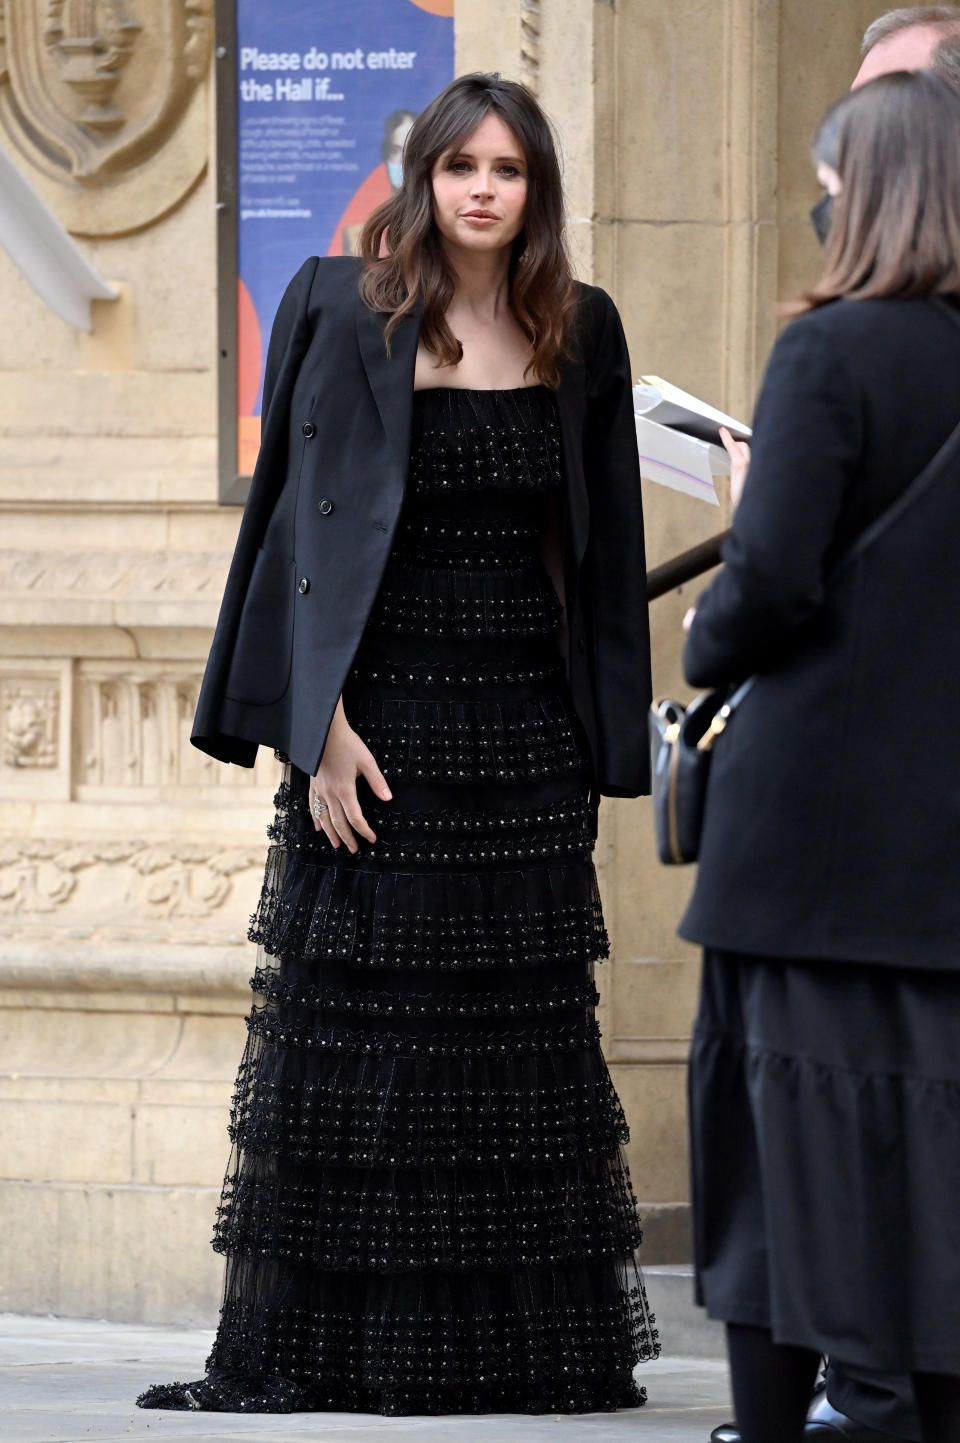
x=678 y=436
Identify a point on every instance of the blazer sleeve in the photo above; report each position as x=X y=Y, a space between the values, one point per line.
x=288 y=338
x=616 y=562
x=291 y=315
x=807 y=444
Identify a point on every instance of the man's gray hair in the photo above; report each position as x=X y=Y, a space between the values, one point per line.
x=906 y=19
x=946 y=57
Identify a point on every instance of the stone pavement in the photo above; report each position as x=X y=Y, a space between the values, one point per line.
x=68 y=1381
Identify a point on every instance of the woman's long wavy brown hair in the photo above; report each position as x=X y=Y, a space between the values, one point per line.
x=401 y=245
x=895 y=143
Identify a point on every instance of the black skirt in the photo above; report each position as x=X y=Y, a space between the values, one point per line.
x=825 y=1132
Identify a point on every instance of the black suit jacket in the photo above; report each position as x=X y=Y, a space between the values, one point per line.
x=324 y=503
x=833 y=810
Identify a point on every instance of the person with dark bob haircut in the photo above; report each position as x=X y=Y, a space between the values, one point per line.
x=437 y=616
x=825 y=1071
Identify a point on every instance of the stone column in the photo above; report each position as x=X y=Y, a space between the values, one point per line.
x=128 y=863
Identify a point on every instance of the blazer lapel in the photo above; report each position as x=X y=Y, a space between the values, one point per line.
x=390 y=377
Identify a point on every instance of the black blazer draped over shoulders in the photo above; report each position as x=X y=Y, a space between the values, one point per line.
x=323 y=507
x=832 y=827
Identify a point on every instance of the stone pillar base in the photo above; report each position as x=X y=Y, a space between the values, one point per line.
x=114 y=1093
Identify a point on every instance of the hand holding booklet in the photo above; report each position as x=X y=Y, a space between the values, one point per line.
x=679 y=438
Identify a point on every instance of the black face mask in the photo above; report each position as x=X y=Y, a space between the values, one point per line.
x=821 y=217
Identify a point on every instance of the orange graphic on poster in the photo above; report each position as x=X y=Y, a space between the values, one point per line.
x=371 y=193
x=435 y=7
x=249 y=367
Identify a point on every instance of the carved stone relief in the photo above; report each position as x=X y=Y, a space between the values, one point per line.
x=35 y=720
x=114 y=573
x=133 y=730
x=103 y=101
x=29 y=717
x=118 y=889
x=115 y=871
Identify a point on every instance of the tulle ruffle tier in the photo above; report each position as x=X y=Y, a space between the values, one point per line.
x=465 y=604
x=389 y=1219
x=522 y=1340
x=429 y=922
x=365 y=1108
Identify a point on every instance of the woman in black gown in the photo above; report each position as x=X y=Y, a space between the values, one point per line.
x=426 y=1209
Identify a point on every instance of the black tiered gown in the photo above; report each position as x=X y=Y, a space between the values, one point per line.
x=426 y=1209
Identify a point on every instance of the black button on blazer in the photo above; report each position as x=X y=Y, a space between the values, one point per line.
x=281 y=653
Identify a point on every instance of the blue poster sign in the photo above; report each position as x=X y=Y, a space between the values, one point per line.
x=326 y=92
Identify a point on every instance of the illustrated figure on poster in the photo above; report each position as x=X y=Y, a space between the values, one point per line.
x=437 y=615
x=378 y=187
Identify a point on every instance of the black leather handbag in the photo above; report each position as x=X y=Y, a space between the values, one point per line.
x=681 y=740
x=682 y=737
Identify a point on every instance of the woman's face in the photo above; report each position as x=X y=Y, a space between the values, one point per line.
x=480 y=190
x=394 y=152
x=829 y=179
x=821 y=217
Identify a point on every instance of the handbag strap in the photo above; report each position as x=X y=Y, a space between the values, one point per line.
x=718 y=722
x=940 y=462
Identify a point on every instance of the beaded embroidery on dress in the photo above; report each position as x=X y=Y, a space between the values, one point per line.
x=426 y=1209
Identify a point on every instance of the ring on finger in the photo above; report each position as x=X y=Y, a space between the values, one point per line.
x=318 y=807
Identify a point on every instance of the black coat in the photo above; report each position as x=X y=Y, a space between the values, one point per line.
x=833 y=810
x=323 y=506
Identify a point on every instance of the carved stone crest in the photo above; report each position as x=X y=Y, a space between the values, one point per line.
x=29 y=714
x=93 y=91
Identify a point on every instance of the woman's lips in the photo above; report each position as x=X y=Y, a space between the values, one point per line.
x=479 y=216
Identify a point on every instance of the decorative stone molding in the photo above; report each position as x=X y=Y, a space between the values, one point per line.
x=116 y=888
x=103 y=101
x=129 y=723
x=133 y=731
x=143 y=574
x=199 y=24
x=530 y=23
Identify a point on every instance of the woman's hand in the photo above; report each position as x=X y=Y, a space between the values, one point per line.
x=334 y=806
x=739 y=453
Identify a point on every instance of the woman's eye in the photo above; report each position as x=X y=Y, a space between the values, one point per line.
x=509 y=171
x=458 y=166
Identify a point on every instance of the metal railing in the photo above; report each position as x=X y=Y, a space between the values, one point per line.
x=673 y=573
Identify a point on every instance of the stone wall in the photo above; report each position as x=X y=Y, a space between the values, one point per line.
x=128 y=863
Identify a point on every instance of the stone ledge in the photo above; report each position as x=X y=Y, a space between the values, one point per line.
x=111 y=471
x=131 y=1253
x=666 y=1233
x=187 y=973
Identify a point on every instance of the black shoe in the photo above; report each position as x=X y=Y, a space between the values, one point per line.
x=824 y=1425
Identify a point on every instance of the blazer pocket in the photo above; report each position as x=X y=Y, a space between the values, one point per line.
x=263 y=652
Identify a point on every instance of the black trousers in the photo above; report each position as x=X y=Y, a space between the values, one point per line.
x=883 y=1401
